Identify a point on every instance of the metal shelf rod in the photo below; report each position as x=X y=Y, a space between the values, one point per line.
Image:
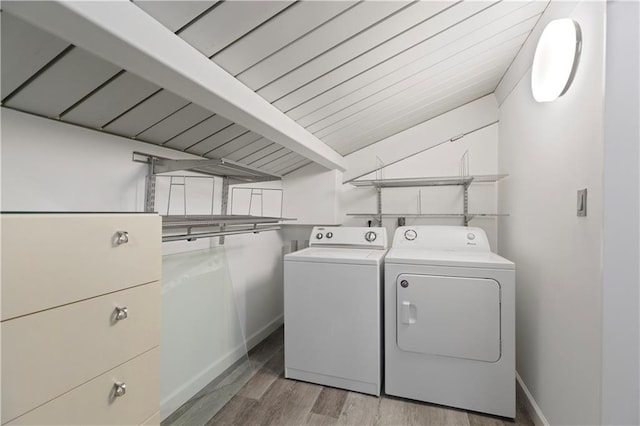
x=432 y=181
x=193 y=237
x=426 y=215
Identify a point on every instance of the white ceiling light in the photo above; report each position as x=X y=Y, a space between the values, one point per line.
x=556 y=59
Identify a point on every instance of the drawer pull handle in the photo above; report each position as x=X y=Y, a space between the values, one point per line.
x=119 y=389
x=123 y=237
x=121 y=313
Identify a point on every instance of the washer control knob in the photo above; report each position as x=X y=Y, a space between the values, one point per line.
x=471 y=236
x=329 y=234
x=319 y=235
x=404 y=283
x=370 y=236
x=410 y=234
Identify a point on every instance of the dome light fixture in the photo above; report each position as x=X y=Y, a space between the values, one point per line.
x=556 y=59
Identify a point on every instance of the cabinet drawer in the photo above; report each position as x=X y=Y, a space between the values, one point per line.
x=47 y=353
x=95 y=402
x=153 y=420
x=50 y=260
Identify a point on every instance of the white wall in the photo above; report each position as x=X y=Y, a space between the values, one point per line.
x=201 y=332
x=551 y=150
x=621 y=331
x=311 y=197
x=52 y=166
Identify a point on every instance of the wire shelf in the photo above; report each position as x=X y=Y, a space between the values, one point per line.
x=427 y=181
x=193 y=226
x=427 y=215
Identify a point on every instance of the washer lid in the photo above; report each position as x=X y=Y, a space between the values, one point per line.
x=337 y=255
x=463 y=258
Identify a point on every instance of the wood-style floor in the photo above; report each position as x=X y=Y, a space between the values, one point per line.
x=265 y=397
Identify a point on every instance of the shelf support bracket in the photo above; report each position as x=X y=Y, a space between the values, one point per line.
x=467 y=218
x=224 y=205
x=150 y=188
x=379 y=218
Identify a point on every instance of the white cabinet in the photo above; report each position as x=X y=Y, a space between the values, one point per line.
x=80 y=318
x=49 y=260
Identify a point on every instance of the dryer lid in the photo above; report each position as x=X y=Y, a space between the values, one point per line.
x=459 y=258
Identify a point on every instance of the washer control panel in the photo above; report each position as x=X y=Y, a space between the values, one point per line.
x=441 y=238
x=349 y=236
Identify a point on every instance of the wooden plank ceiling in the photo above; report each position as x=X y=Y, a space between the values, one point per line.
x=350 y=72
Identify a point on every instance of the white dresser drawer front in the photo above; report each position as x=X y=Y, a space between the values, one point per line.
x=50 y=260
x=50 y=352
x=95 y=402
x=153 y=420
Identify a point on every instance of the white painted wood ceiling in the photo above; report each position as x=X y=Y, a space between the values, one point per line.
x=350 y=72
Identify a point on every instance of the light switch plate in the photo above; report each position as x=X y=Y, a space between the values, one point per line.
x=582 y=202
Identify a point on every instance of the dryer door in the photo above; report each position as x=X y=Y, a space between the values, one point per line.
x=449 y=316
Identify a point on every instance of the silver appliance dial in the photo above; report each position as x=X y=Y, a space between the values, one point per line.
x=329 y=234
x=121 y=313
x=370 y=236
x=471 y=236
x=319 y=235
x=410 y=234
x=119 y=389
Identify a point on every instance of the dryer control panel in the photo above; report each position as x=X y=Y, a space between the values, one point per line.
x=441 y=238
x=349 y=236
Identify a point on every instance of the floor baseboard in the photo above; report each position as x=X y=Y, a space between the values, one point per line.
x=534 y=410
x=173 y=401
x=264 y=332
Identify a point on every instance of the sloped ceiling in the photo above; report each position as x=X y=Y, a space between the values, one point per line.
x=351 y=73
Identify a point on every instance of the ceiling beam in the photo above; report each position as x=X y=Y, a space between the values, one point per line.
x=125 y=35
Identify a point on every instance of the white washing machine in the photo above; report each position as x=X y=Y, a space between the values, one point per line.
x=450 y=320
x=333 y=309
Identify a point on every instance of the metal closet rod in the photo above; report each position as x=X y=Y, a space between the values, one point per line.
x=193 y=237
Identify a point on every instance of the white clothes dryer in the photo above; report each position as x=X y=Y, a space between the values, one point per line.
x=333 y=309
x=450 y=320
